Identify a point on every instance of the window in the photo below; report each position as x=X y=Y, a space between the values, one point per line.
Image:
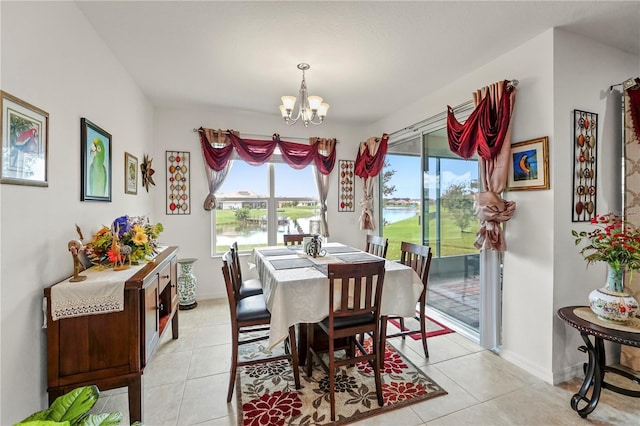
x=257 y=205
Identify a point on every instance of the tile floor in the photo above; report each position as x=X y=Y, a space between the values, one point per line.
x=186 y=384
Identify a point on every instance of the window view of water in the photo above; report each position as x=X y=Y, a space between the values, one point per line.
x=396 y=214
x=249 y=234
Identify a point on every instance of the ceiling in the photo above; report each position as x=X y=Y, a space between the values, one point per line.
x=367 y=59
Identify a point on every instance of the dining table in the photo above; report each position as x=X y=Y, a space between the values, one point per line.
x=296 y=286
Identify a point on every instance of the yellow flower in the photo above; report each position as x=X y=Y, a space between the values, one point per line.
x=140 y=238
x=138 y=229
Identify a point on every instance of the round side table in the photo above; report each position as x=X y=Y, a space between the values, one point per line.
x=187 y=284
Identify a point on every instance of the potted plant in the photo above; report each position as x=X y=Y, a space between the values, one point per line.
x=71 y=409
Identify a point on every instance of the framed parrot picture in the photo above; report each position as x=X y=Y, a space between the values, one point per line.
x=529 y=165
x=25 y=142
x=95 y=161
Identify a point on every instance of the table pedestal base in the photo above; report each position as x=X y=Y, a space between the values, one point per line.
x=594 y=372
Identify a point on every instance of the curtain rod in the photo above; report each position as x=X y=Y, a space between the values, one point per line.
x=420 y=124
x=629 y=83
x=253 y=136
x=417 y=126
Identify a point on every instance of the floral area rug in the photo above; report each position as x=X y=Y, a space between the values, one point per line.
x=267 y=396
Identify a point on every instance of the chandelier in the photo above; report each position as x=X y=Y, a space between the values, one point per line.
x=310 y=108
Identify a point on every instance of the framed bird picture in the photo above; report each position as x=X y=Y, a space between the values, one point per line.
x=130 y=174
x=95 y=161
x=25 y=142
x=529 y=165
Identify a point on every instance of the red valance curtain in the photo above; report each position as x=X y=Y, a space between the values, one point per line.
x=255 y=151
x=488 y=131
x=369 y=163
x=634 y=105
x=485 y=129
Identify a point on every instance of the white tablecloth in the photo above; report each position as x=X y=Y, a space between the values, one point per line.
x=301 y=295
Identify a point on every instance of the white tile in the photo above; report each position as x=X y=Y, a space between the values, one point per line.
x=210 y=360
x=455 y=400
x=485 y=375
x=205 y=399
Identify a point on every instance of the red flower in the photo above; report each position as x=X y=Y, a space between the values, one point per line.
x=274 y=409
x=395 y=392
x=112 y=256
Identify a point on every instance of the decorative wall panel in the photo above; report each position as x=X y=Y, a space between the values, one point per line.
x=585 y=148
x=178 y=183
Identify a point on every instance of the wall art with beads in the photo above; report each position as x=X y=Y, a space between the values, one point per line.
x=585 y=149
x=346 y=196
x=178 y=183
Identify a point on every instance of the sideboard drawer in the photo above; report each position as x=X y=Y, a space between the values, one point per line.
x=165 y=277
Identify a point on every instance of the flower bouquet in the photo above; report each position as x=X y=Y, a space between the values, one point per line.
x=135 y=232
x=617 y=243
x=613 y=241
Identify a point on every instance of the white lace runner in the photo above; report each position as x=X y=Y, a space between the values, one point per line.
x=102 y=292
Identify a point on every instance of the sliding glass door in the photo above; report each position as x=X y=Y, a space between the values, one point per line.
x=427 y=199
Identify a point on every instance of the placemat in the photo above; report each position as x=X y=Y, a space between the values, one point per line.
x=631 y=326
x=290 y=263
x=276 y=252
x=341 y=249
x=323 y=268
x=357 y=257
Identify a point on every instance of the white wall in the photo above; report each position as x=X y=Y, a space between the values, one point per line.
x=174 y=132
x=583 y=73
x=58 y=63
x=558 y=72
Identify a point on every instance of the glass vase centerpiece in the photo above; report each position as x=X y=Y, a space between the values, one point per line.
x=136 y=238
x=618 y=243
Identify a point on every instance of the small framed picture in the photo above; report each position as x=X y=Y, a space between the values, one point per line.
x=95 y=162
x=25 y=142
x=529 y=165
x=130 y=174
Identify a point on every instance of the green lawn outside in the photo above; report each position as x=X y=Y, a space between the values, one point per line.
x=453 y=241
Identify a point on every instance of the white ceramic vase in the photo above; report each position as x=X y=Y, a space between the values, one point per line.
x=611 y=302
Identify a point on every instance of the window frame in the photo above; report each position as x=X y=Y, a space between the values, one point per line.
x=271 y=200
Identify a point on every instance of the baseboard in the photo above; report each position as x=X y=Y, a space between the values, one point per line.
x=526 y=365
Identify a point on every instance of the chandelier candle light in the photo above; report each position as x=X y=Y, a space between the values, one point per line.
x=310 y=108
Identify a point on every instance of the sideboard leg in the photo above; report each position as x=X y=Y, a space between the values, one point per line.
x=136 y=409
x=174 y=325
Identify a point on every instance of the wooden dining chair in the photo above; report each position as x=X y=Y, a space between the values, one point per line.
x=355 y=292
x=418 y=257
x=245 y=288
x=247 y=314
x=377 y=245
x=294 y=239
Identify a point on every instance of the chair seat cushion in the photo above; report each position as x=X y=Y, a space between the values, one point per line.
x=351 y=321
x=252 y=308
x=251 y=287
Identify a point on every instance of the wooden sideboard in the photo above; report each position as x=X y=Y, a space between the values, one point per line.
x=111 y=350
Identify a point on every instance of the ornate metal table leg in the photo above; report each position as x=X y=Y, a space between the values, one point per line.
x=594 y=375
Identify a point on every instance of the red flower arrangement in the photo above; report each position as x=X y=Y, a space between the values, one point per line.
x=614 y=241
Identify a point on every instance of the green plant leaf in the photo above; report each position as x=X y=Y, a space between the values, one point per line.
x=102 y=419
x=41 y=423
x=40 y=415
x=73 y=405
